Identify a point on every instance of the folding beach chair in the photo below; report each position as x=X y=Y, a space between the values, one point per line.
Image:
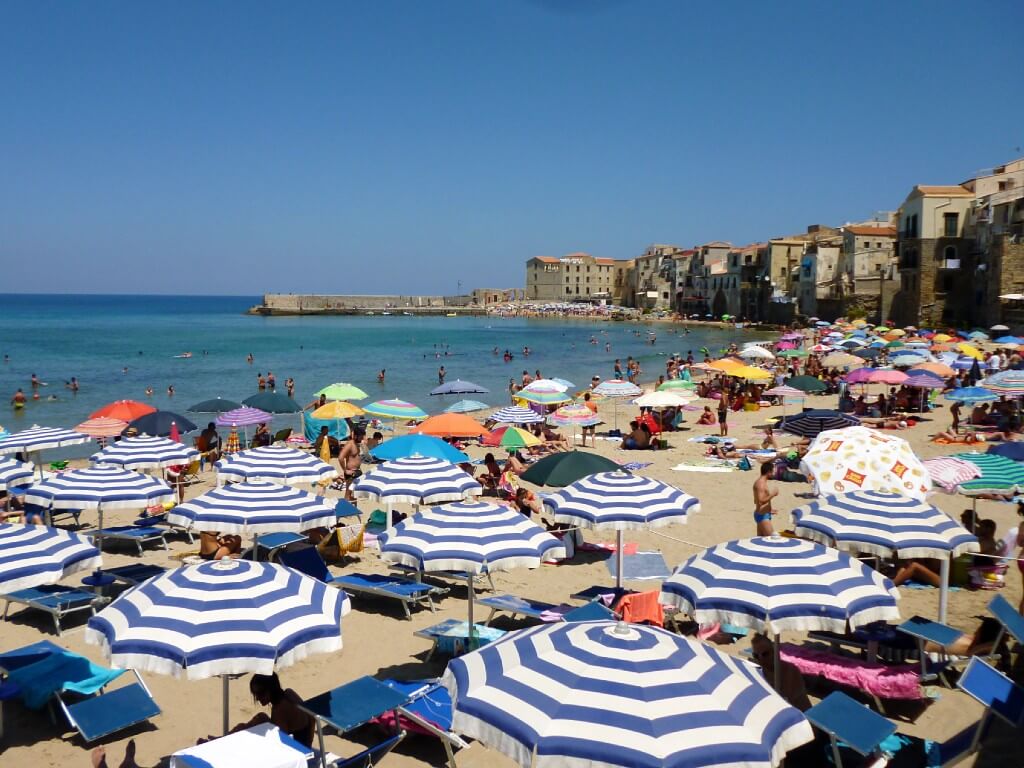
x=159 y=519
x=71 y=683
x=130 y=534
x=349 y=706
x=516 y=606
x=53 y=516
x=343 y=540
x=480 y=580
x=592 y=611
x=55 y=599
x=428 y=711
x=406 y=591
x=848 y=723
x=451 y=637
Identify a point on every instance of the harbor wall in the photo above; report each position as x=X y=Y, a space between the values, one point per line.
x=345 y=304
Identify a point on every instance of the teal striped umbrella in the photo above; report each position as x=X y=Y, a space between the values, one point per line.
x=998 y=474
x=1009 y=383
x=466 y=406
x=395 y=409
x=543 y=398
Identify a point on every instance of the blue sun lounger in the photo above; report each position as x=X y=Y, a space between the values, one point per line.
x=270 y=545
x=451 y=637
x=54 y=599
x=46 y=674
x=132 y=534
x=851 y=725
x=134 y=574
x=516 y=606
x=449 y=577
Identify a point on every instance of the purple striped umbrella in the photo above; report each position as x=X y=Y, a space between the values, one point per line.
x=243 y=417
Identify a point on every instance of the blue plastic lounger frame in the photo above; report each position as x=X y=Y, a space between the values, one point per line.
x=134 y=574
x=516 y=606
x=406 y=591
x=133 y=534
x=55 y=599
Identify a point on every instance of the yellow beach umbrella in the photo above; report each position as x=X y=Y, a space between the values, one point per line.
x=749 y=372
x=970 y=351
x=941 y=337
x=339 y=409
x=897 y=332
x=725 y=364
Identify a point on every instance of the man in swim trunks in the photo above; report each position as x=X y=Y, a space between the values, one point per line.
x=763 y=495
x=351 y=459
x=18 y=401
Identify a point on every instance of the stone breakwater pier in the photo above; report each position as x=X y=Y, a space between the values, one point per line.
x=354 y=304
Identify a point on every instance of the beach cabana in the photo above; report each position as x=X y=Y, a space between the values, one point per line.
x=225 y=618
x=889 y=525
x=602 y=693
x=620 y=501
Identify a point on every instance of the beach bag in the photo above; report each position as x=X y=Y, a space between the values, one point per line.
x=745 y=464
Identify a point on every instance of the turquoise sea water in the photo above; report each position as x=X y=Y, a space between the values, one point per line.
x=95 y=337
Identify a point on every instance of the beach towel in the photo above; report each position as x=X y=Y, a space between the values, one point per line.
x=696 y=468
x=633 y=466
x=898 y=681
x=628 y=547
x=640 y=567
x=642 y=607
x=61 y=672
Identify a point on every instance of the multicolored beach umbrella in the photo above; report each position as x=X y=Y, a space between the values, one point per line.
x=244 y=416
x=254 y=508
x=510 y=438
x=395 y=409
x=34 y=555
x=145 y=452
x=618 y=388
x=863 y=459
x=14 y=473
x=275 y=463
x=1009 y=383
x=416 y=480
x=998 y=475
x=574 y=415
x=516 y=414
x=546 y=397
x=102 y=427
x=601 y=694
x=226 y=617
x=620 y=501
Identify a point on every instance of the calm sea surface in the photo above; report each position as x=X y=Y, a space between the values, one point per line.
x=95 y=338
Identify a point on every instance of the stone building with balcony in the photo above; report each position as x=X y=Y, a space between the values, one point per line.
x=698 y=284
x=654 y=277
x=575 y=277
x=935 y=257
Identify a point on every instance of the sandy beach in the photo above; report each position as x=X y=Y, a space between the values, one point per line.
x=378 y=641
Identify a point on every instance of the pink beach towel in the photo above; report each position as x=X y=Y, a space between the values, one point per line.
x=897 y=681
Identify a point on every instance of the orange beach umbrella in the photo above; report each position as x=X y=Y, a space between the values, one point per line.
x=125 y=410
x=450 y=425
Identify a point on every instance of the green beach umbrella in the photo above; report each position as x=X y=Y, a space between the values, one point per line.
x=792 y=353
x=998 y=474
x=565 y=468
x=806 y=384
x=342 y=391
x=895 y=344
x=676 y=384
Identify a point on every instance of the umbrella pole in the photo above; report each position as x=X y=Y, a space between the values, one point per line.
x=471 y=593
x=776 y=666
x=225 y=683
x=618 y=559
x=255 y=545
x=944 y=588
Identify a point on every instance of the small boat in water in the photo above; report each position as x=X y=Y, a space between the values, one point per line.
x=183 y=355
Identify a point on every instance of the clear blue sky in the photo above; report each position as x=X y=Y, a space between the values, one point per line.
x=228 y=147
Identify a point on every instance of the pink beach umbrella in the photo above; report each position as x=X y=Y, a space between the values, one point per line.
x=949 y=473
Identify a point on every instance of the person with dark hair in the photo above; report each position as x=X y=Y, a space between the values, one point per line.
x=285 y=710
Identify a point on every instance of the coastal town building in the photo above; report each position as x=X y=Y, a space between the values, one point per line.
x=575 y=277
x=935 y=256
x=866 y=276
x=485 y=297
x=707 y=271
x=654 y=277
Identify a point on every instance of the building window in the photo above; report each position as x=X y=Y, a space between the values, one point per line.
x=949 y=252
x=950 y=224
x=947 y=282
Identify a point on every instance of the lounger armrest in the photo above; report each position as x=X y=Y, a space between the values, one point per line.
x=842 y=718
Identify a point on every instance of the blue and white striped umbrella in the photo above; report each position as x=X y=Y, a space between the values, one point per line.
x=145 y=452
x=275 y=463
x=772 y=583
x=38 y=439
x=14 y=473
x=599 y=694
x=33 y=555
x=101 y=486
x=516 y=414
x=475 y=537
x=884 y=524
x=469 y=536
x=416 y=480
x=620 y=501
x=226 y=617
x=253 y=509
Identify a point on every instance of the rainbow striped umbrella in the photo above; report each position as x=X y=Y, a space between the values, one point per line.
x=574 y=415
x=551 y=397
x=395 y=409
x=1009 y=383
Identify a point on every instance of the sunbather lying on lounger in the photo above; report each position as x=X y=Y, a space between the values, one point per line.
x=215 y=547
x=979 y=643
x=791 y=682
